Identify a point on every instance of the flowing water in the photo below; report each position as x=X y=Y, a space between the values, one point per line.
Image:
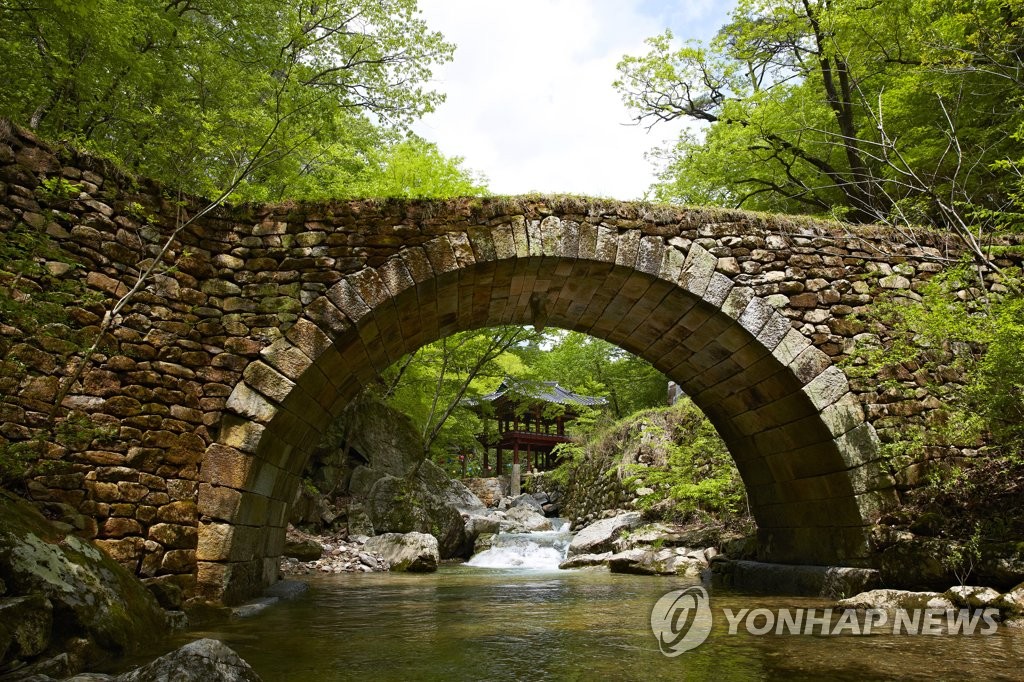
x=474 y=622
x=536 y=551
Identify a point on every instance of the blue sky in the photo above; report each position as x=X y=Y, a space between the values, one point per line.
x=530 y=101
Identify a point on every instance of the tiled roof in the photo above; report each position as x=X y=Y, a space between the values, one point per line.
x=548 y=391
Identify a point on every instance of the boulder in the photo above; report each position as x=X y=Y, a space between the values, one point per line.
x=586 y=560
x=25 y=625
x=477 y=525
x=384 y=499
x=1012 y=602
x=524 y=519
x=600 y=536
x=527 y=500
x=828 y=582
x=658 y=562
x=305 y=549
x=96 y=598
x=966 y=596
x=397 y=505
x=411 y=552
x=891 y=600
x=204 y=660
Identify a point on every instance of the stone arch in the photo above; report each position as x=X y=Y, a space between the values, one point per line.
x=806 y=454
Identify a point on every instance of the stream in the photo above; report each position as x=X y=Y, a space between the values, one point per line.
x=509 y=614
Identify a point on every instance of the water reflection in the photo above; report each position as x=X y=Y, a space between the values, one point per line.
x=465 y=624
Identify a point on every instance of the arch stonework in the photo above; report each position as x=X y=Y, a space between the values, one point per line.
x=216 y=381
x=807 y=456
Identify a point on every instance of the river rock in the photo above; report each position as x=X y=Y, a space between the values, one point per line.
x=657 y=562
x=966 y=596
x=827 y=582
x=25 y=624
x=427 y=505
x=477 y=525
x=600 y=536
x=1012 y=602
x=204 y=660
x=103 y=610
x=412 y=552
x=525 y=519
x=527 y=500
x=891 y=600
x=586 y=560
x=305 y=549
x=391 y=447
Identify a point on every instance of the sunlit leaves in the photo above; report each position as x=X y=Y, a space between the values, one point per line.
x=193 y=92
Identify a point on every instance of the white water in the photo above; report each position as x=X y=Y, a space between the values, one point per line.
x=543 y=550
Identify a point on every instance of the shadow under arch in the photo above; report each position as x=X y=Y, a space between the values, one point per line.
x=807 y=457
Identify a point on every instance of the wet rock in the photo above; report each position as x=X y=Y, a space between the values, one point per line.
x=305 y=549
x=483 y=542
x=524 y=519
x=25 y=624
x=829 y=582
x=586 y=560
x=411 y=552
x=600 y=536
x=204 y=660
x=1012 y=602
x=658 y=562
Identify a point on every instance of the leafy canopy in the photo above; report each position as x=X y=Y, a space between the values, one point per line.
x=192 y=92
x=908 y=111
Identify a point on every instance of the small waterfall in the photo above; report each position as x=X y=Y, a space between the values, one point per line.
x=540 y=550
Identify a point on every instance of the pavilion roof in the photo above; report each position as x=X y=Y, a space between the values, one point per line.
x=545 y=391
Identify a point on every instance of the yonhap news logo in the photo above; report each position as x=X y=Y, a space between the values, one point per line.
x=681 y=620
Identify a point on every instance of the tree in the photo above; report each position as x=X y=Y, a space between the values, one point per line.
x=899 y=112
x=591 y=366
x=430 y=384
x=416 y=169
x=188 y=91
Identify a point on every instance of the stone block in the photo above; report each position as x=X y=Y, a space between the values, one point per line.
x=227 y=466
x=345 y=297
x=286 y=358
x=219 y=502
x=607 y=244
x=268 y=381
x=247 y=403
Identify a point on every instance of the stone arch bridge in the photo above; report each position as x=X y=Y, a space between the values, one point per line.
x=222 y=374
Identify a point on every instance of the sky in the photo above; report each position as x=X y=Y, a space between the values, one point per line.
x=530 y=102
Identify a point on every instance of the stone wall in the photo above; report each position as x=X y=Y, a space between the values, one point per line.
x=182 y=442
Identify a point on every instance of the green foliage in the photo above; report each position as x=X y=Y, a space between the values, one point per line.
x=429 y=386
x=592 y=366
x=78 y=431
x=193 y=93
x=986 y=330
x=16 y=460
x=416 y=169
x=863 y=111
x=700 y=476
x=56 y=189
x=31 y=297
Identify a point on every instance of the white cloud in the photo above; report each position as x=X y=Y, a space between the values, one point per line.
x=530 y=101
